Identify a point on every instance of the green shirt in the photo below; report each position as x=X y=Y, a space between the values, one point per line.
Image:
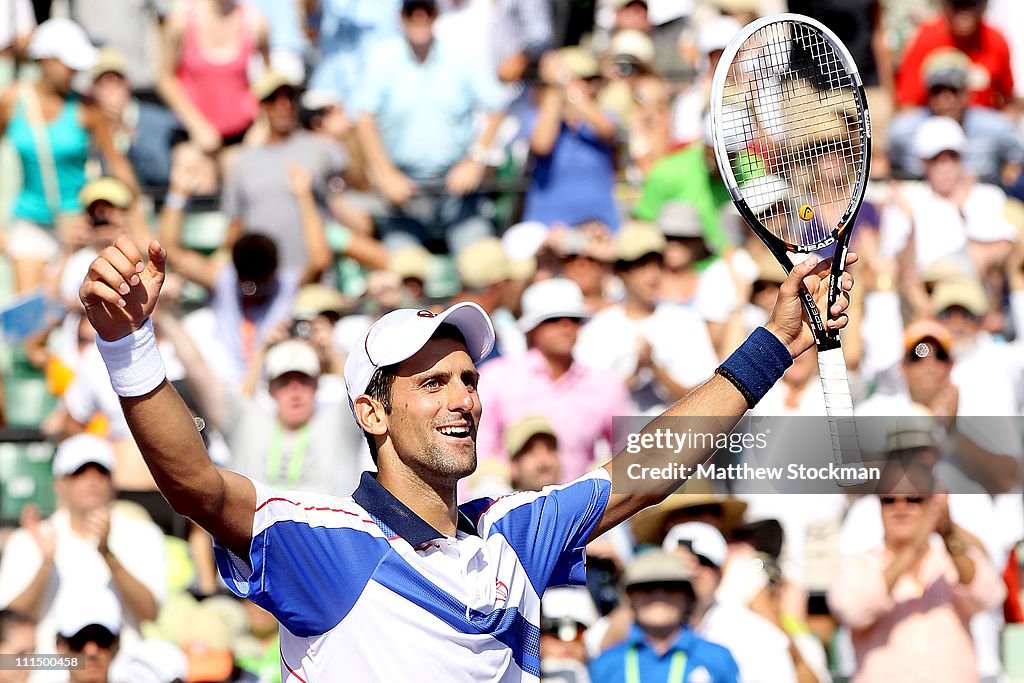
x=683 y=176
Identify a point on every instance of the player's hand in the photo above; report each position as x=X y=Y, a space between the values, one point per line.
x=121 y=289
x=788 y=318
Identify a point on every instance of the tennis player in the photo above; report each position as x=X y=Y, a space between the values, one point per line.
x=397 y=582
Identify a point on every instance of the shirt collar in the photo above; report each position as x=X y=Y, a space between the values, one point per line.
x=682 y=642
x=537 y=364
x=395 y=515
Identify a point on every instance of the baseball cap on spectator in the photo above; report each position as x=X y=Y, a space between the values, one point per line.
x=521 y=243
x=717 y=33
x=291 y=355
x=108 y=190
x=939 y=134
x=206 y=642
x=482 y=263
x=943 y=269
x=150 y=661
x=580 y=61
x=519 y=433
x=65 y=41
x=632 y=46
x=764 y=192
x=400 y=334
x=913 y=430
x=731 y=6
x=110 y=60
x=656 y=567
x=411 y=262
x=947 y=67
x=565 y=610
x=636 y=240
x=269 y=83
x=679 y=219
x=965 y=292
x=317 y=299
x=926 y=329
x=79 y=450
x=94 y=607
x=555 y=298
x=702 y=539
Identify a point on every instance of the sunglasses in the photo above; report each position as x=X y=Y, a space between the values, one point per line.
x=94 y=633
x=957 y=311
x=925 y=350
x=910 y=500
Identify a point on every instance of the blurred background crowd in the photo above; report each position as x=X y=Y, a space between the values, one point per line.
x=312 y=164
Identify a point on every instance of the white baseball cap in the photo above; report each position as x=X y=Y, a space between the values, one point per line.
x=78 y=609
x=569 y=602
x=555 y=298
x=82 y=449
x=703 y=540
x=65 y=41
x=150 y=661
x=291 y=355
x=716 y=34
x=939 y=134
x=400 y=334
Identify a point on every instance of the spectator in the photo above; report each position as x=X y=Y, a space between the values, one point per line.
x=907 y=604
x=17 y=639
x=685 y=247
x=252 y=293
x=573 y=142
x=547 y=381
x=965 y=219
x=85 y=547
x=760 y=647
x=520 y=33
x=288 y=45
x=416 y=126
x=652 y=525
x=566 y=612
x=586 y=253
x=257 y=193
x=89 y=627
x=484 y=273
x=689 y=107
x=128 y=29
x=660 y=645
x=961 y=26
x=532 y=447
x=348 y=32
x=639 y=339
x=631 y=15
x=690 y=175
x=994 y=150
x=52 y=164
x=316 y=311
x=412 y=265
x=205 y=53
x=141 y=131
x=150 y=661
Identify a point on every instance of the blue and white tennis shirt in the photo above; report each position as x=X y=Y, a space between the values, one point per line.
x=365 y=590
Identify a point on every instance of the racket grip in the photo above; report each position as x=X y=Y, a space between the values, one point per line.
x=839 y=406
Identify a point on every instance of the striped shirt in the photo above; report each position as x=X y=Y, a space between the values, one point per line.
x=365 y=590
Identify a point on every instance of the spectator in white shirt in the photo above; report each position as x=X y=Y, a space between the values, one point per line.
x=661 y=350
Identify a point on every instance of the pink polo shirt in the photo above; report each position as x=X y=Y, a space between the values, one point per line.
x=580 y=406
x=919 y=632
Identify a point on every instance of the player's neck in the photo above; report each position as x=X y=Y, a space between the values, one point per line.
x=433 y=502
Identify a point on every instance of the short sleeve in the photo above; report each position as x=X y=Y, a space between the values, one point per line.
x=19 y=564
x=305 y=547
x=548 y=529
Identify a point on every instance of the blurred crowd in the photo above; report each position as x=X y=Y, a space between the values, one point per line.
x=310 y=165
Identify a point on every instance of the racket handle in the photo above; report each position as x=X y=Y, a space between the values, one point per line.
x=839 y=406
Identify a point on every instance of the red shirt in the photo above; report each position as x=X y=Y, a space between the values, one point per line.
x=990 y=82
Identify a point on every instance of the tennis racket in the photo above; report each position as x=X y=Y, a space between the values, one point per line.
x=792 y=138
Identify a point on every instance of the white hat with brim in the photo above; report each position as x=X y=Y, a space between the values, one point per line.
x=82 y=449
x=939 y=134
x=88 y=608
x=65 y=41
x=291 y=355
x=401 y=334
x=555 y=298
x=701 y=538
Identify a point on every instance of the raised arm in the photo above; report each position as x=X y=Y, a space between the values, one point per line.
x=119 y=294
x=717 y=403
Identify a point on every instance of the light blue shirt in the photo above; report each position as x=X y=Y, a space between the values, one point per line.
x=424 y=110
x=348 y=31
x=285 y=32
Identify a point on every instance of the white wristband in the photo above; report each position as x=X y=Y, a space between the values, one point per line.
x=133 y=362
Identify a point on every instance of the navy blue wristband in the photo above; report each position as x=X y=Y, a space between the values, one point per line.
x=756 y=365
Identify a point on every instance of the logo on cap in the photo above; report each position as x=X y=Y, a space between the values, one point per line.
x=425 y=314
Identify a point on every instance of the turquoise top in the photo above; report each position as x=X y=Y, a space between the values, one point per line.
x=69 y=145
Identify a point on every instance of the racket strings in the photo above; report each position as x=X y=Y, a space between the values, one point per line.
x=791 y=112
